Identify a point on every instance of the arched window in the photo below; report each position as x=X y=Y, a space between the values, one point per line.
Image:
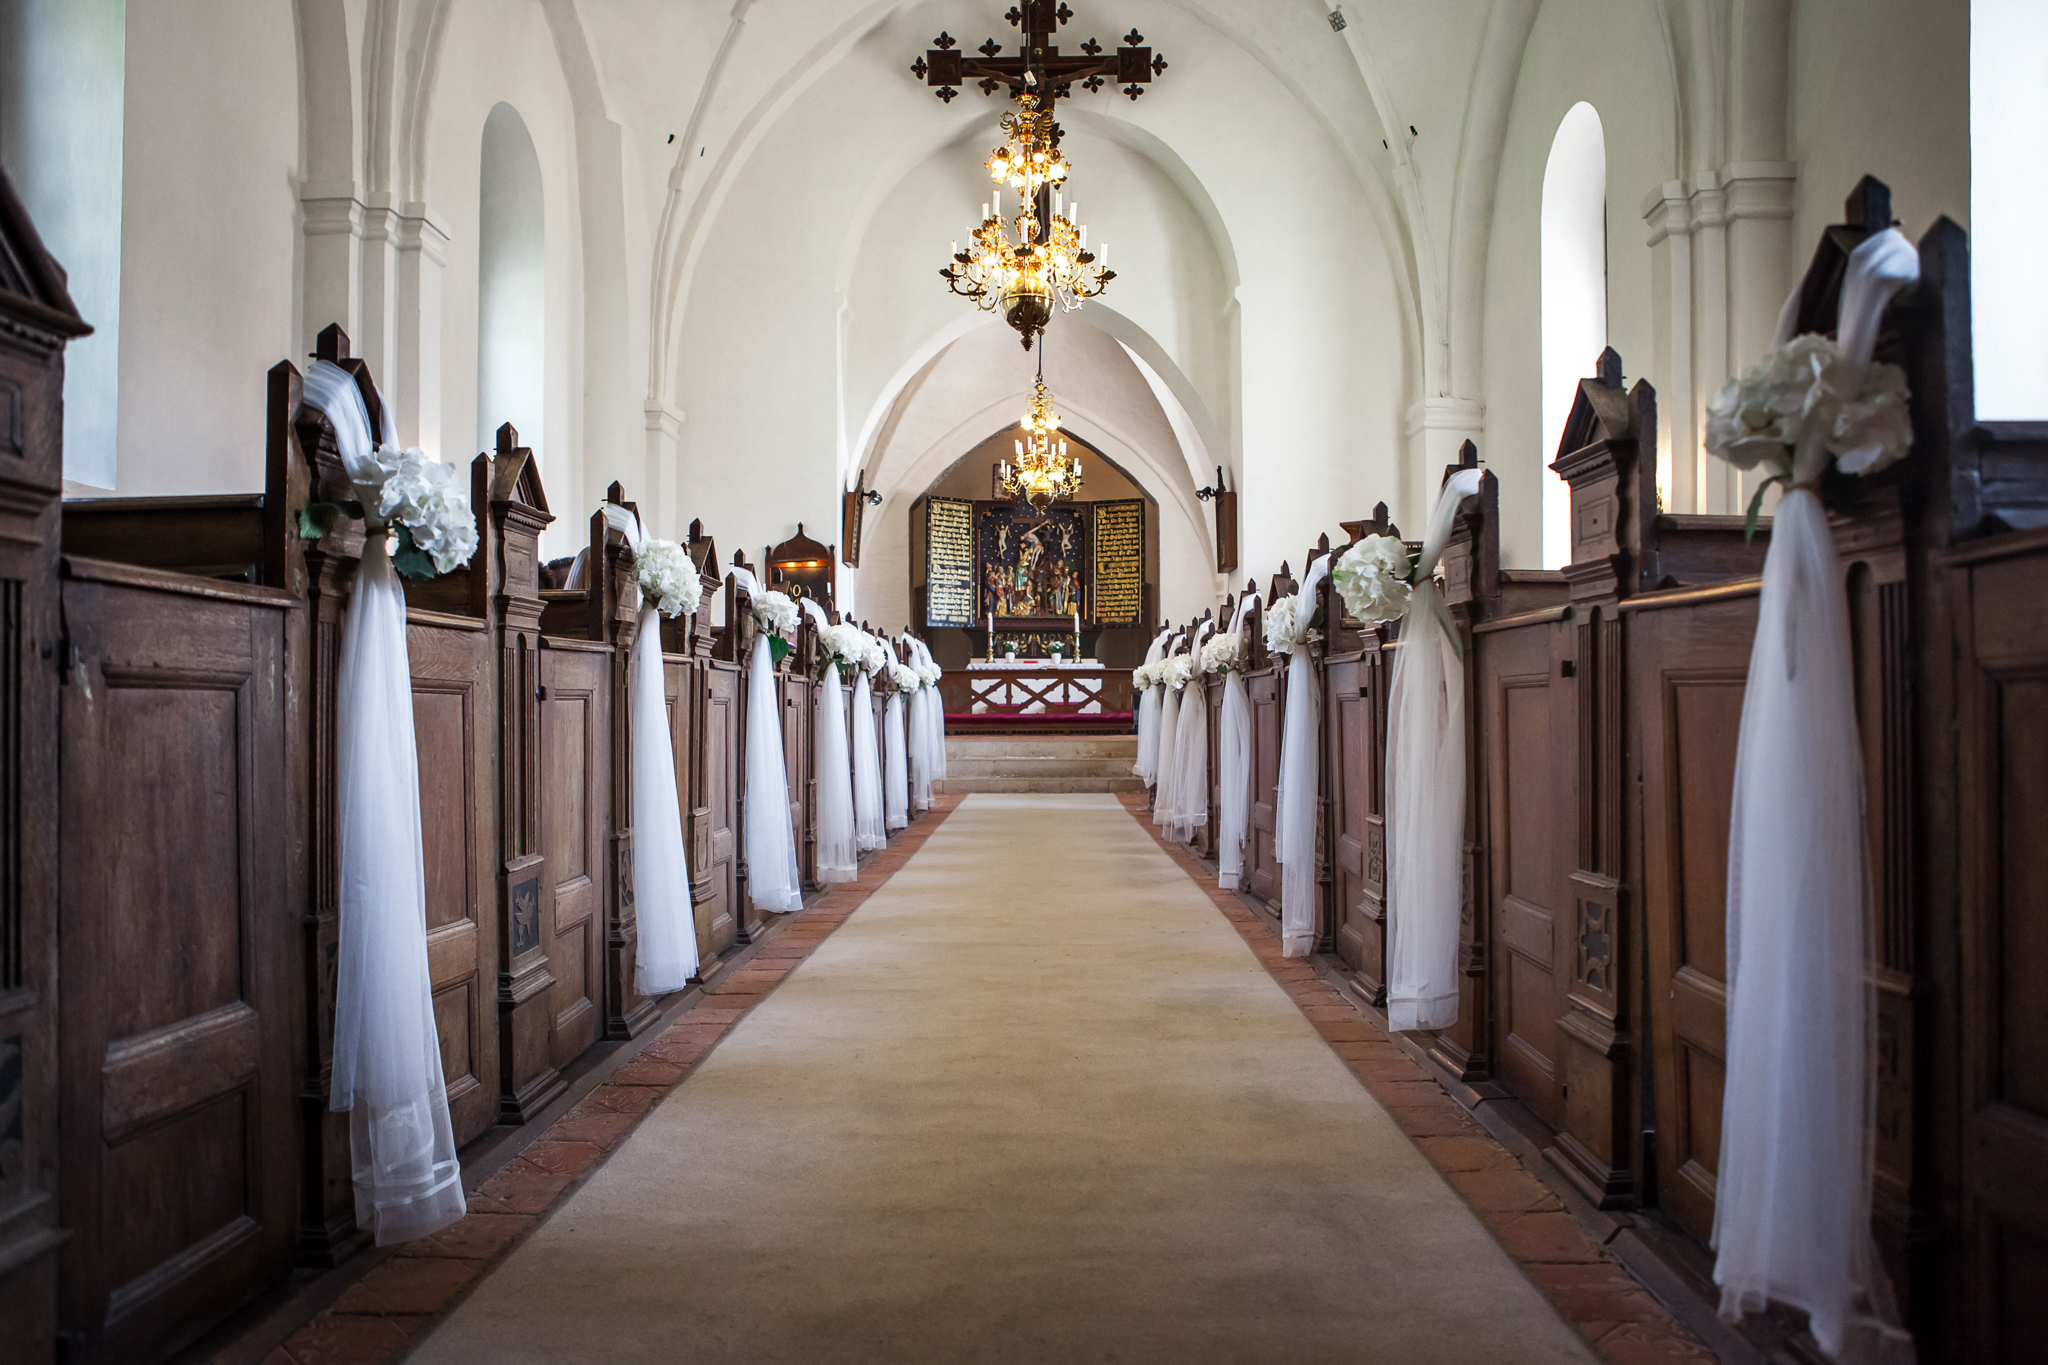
x=63 y=84
x=1574 y=296
x=511 y=311
x=2008 y=203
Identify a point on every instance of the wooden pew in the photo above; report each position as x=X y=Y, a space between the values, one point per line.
x=1266 y=688
x=705 y=714
x=1357 y=677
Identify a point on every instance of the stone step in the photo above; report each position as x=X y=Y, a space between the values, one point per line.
x=1010 y=746
x=976 y=765
x=1038 y=784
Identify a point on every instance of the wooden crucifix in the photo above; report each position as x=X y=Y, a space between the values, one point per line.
x=1039 y=65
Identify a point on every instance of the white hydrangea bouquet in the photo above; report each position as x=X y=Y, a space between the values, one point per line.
x=1175 y=671
x=846 y=645
x=877 y=658
x=905 y=677
x=427 y=501
x=1145 y=677
x=931 y=673
x=1806 y=392
x=775 y=613
x=1223 y=653
x=1287 y=626
x=667 y=577
x=1375 y=577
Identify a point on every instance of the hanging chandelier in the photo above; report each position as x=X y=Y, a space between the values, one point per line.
x=1049 y=261
x=1043 y=473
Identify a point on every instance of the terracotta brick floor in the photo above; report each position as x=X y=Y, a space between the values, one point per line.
x=377 y=1318
x=1619 y=1318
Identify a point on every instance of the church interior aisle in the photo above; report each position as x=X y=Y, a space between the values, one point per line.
x=1036 y=1101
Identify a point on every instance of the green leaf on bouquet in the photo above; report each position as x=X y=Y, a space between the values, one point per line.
x=1756 y=506
x=316 y=519
x=778 y=649
x=410 y=560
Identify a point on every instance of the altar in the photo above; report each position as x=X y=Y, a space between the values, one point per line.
x=1037 y=695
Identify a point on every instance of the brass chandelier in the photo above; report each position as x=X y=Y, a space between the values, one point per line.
x=1050 y=260
x=1043 y=473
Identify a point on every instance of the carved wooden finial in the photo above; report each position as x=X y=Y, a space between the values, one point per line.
x=739 y=559
x=1379 y=517
x=1283 y=570
x=696 y=528
x=1869 y=205
x=1468 y=456
x=332 y=344
x=616 y=493
x=1323 y=543
x=508 y=439
x=1607 y=369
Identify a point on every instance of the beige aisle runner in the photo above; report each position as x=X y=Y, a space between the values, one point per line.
x=1036 y=1101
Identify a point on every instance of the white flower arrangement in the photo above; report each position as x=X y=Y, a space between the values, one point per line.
x=1145 y=677
x=1286 y=625
x=667 y=577
x=905 y=677
x=1808 y=391
x=1374 y=578
x=775 y=613
x=877 y=656
x=1223 y=653
x=931 y=673
x=1176 y=670
x=426 y=500
x=845 y=644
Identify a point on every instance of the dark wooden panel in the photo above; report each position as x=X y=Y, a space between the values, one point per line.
x=715 y=813
x=455 y=737
x=1261 y=860
x=176 y=1017
x=1687 y=667
x=575 y=746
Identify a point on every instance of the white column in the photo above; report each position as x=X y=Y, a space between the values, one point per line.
x=421 y=252
x=331 y=221
x=664 y=462
x=1436 y=428
x=1671 y=362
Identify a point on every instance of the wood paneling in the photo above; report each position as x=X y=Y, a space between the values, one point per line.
x=575 y=727
x=1261 y=853
x=456 y=736
x=1687 y=668
x=177 y=1076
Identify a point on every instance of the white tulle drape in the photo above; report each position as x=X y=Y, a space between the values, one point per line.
x=837 y=844
x=1792 y=1197
x=869 y=831
x=917 y=733
x=1426 y=791
x=387 y=1051
x=1294 y=815
x=666 y=957
x=1191 y=752
x=774 y=880
x=934 y=714
x=895 y=765
x=1233 y=771
x=1166 y=785
x=1146 y=769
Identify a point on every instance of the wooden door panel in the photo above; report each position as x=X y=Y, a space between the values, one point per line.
x=455 y=734
x=1261 y=857
x=1528 y=720
x=575 y=742
x=2003 y=811
x=1688 y=666
x=176 y=1077
x=717 y=811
